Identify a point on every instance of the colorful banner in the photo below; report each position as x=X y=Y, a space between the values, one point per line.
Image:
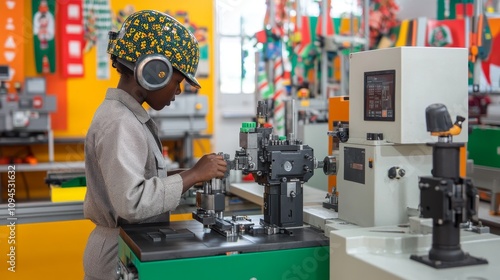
x=490 y=78
x=71 y=38
x=44 y=35
x=446 y=33
x=12 y=39
x=97 y=23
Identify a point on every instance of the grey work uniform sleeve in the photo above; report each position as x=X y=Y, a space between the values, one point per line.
x=122 y=162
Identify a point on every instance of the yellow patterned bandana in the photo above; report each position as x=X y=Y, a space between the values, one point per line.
x=152 y=32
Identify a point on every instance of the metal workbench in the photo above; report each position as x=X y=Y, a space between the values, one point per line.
x=183 y=250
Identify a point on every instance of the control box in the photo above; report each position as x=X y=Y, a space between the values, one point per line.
x=390 y=89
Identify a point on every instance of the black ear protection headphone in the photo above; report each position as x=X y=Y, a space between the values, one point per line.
x=151 y=71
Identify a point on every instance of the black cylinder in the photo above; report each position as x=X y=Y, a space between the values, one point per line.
x=446 y=243
x=446 y=160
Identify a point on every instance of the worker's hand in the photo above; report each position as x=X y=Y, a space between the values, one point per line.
x=208 y=167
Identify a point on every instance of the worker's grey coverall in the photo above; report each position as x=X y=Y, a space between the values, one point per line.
x=126 y=178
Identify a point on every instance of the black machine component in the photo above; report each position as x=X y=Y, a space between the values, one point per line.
x=330 y=165
x=446 y=197
x=354 y=165
x=340 y=133
x=374 y=136
x=332 y=200
x=281 y=165
x=396 y=172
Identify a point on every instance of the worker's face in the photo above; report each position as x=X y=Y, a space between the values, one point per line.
x=160 y=98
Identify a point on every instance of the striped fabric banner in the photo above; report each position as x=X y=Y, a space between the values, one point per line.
x=279 y=98
x=265 y=89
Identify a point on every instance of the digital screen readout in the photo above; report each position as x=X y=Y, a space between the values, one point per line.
x=379 y=94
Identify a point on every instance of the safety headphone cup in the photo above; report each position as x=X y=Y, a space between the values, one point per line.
x=152 y=71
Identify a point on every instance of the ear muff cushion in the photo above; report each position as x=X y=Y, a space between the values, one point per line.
x=153 y=72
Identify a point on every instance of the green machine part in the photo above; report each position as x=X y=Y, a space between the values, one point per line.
x=484 y=146
x=292 y=264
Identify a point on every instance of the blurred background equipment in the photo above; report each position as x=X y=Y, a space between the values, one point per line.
x=25 y=114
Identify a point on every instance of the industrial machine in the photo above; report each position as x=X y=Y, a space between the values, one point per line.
x=378 y=166
x=26 y=113
x=406 y=209
x=281 y=165
x=446 y=197
x=276 y=244
x=456 y=249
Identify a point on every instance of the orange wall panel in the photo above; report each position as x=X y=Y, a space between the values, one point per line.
x=12 y=39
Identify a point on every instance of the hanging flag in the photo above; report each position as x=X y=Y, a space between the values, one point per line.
x=12 y=39
x=491 y=65
x=446 y=33
x=329 y=21
x=279 y=98
x=44 y=35
x=71 y=38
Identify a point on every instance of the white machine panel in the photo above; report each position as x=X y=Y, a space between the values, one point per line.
x=367 y=196
x=384 y=253
x=391 y=88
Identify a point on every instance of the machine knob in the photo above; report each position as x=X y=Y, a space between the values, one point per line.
x=396 y=172
x=401 y=172
x=330 y=165
x=343 y=136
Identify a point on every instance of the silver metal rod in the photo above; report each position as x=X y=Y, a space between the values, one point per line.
x=343 y=71
x=51 y=139
x=325 y=9
x=366 y=25
x=299 y=15
x=294 y=121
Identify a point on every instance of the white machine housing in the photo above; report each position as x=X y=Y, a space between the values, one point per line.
x=423 y=76
x=367 y=196
x=400 y=83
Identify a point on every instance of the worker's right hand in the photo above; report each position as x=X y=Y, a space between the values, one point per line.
x=208 y=167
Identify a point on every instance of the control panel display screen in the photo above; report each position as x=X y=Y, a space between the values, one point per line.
x=380 y=93
x=4 y=73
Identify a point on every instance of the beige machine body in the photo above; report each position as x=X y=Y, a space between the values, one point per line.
x=379 y=166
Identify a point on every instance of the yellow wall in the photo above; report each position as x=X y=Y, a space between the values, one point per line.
x=85 y=94
x=51 y=250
